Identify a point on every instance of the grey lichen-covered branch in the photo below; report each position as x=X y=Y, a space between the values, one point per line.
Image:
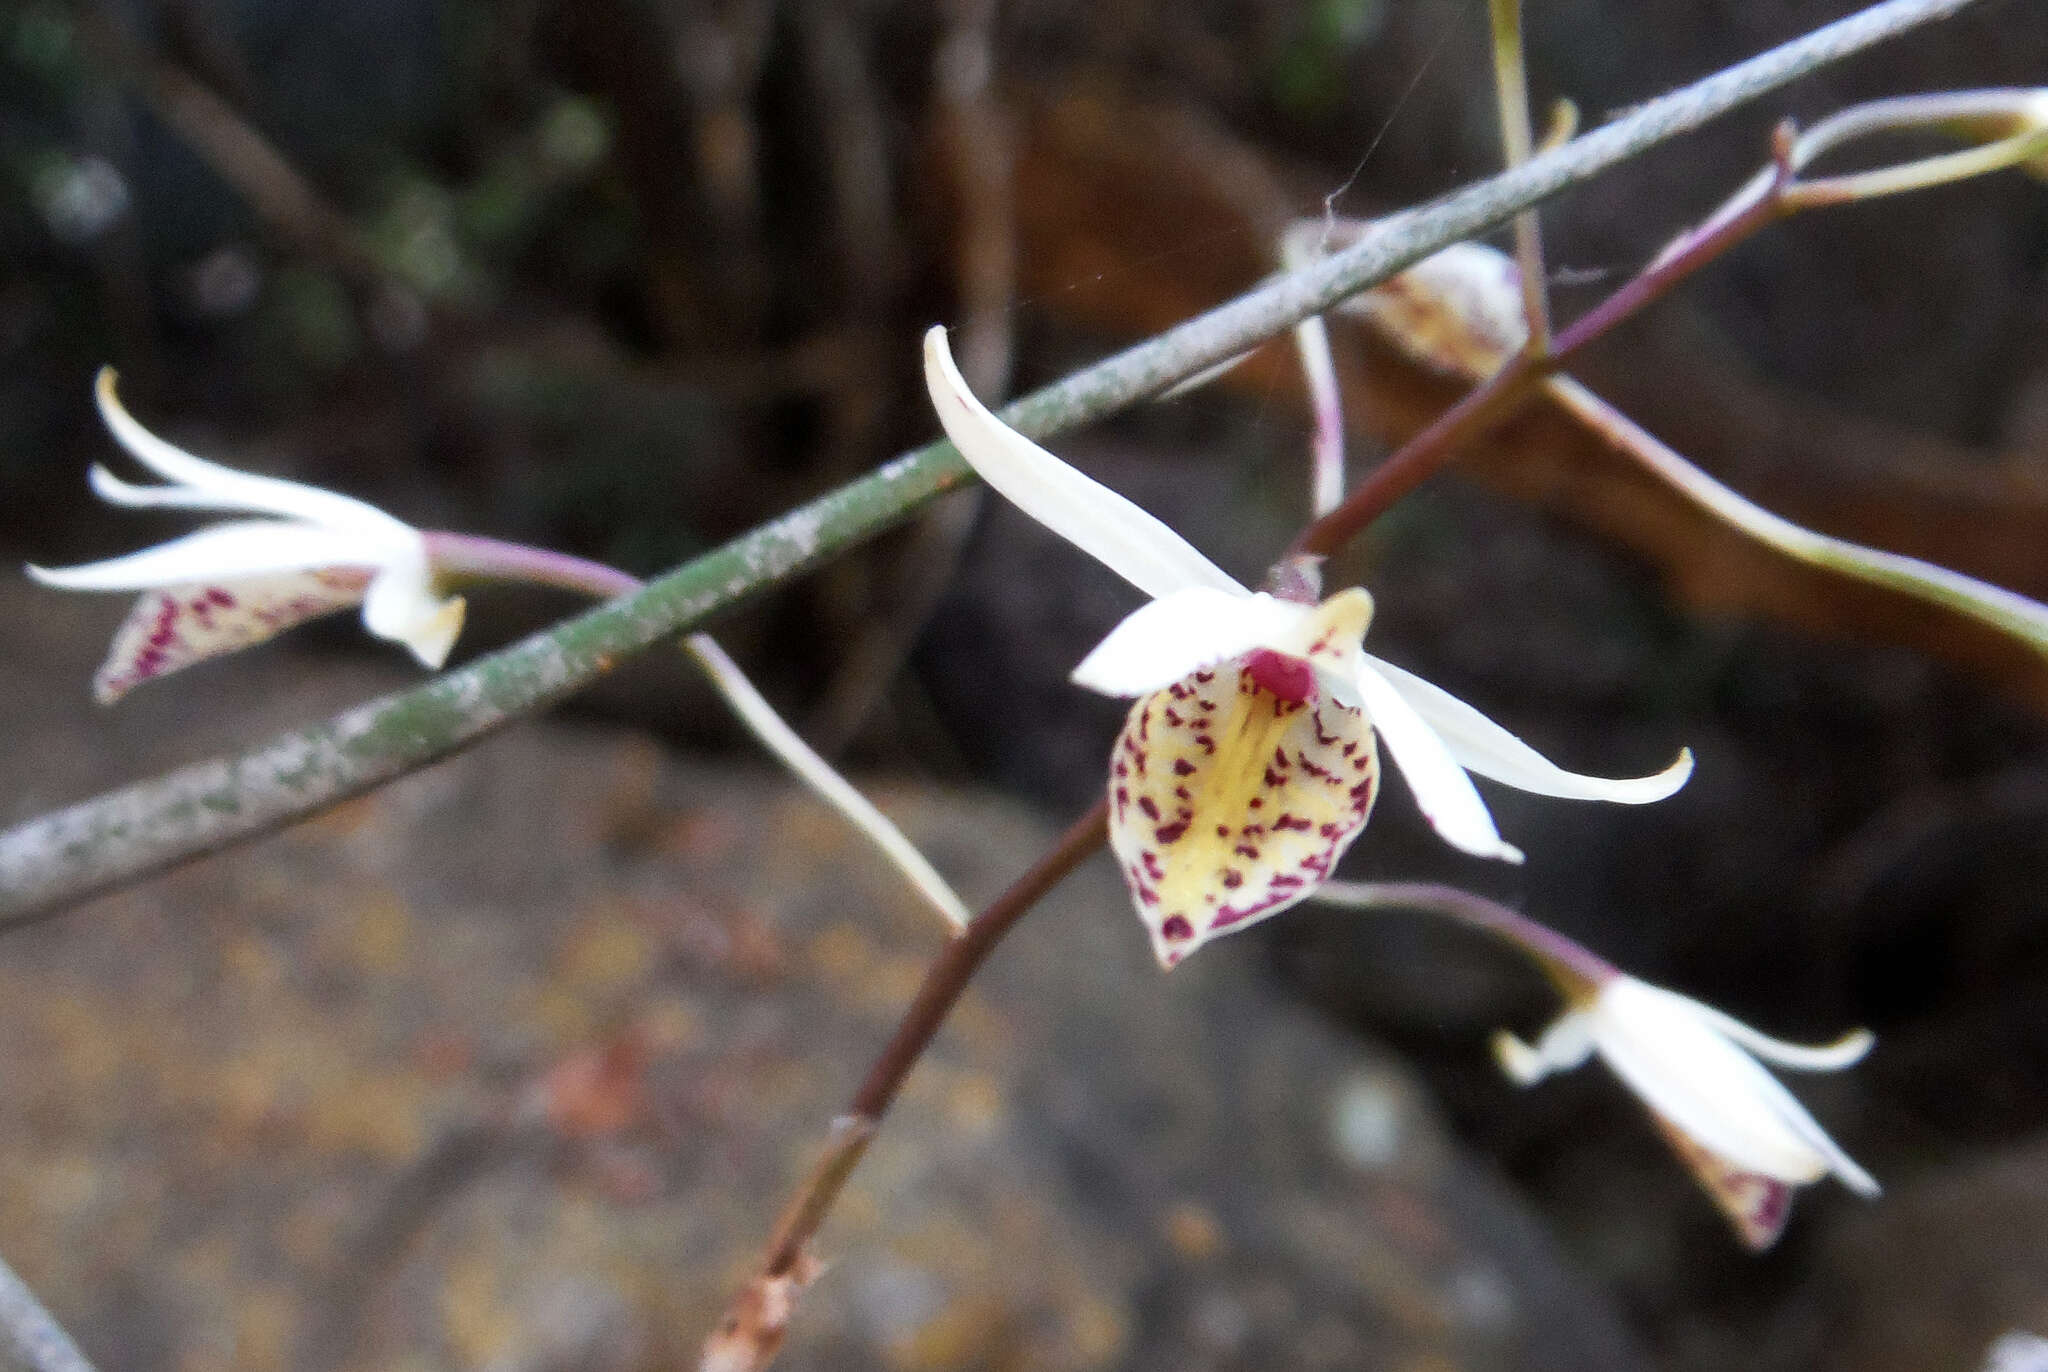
x=118 y=837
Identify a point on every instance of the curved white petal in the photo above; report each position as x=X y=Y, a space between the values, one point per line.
x=1443 y=791
x=1095 y=519
x=1710 y=1090
x=1158 y=644
x=1482 y=746
x=1846 y=1051
x=253 y=547
x=115 y=491
x=401 y=606
x=230 y=489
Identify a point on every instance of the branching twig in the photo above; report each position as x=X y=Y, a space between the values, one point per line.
x=28 y=1332
x=1500 y=395
x=116 y=838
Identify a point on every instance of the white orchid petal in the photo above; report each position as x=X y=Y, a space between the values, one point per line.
x=222 y=552
x=229 y=489
x=401 y=606
x=1846 y=1051
x=1161 y=642
x=115 y=491
x=1846 y=1169
x=1441 y=788
x=1705 y=1086
x=1095 y=519
x=1482 y=746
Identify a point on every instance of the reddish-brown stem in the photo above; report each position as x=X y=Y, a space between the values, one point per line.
x=1500 y=395
x=943 y=983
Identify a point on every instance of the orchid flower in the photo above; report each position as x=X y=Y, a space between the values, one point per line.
x=307 y=553
x=1249 y=761
x=1742 y=1134
x=1734 y=1124
x=311 y=552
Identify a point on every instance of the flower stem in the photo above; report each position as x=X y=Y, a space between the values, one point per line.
x=1576 y=970
x=472 y=557
x=944 y=982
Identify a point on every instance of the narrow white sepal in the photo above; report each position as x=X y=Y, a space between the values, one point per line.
x=835 y=790
x=115 y=491
x=1442 y=790
x=1166 y=639
x=1095 y=519
x=228 y=489
x=1845 y=1051
x=222 y=552
x=1482 y=746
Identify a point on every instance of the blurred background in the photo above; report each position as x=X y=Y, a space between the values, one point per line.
x=625 y=277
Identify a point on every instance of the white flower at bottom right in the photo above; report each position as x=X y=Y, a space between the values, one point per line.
x=1743 y=1134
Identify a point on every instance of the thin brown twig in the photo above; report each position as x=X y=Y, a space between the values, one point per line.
x=286 y=202
x=973 y=138
x=1511 y=93
x=754 y=1324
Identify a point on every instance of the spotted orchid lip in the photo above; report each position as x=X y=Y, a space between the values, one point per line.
x=1231 y=801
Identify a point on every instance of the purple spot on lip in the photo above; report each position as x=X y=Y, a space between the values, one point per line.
x=1290 y=679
